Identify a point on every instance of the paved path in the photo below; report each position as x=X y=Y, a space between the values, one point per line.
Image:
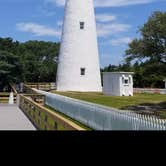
x=12 y=118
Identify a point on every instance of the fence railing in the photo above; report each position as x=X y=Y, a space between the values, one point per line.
x=28 y=90
x=99 y=117
x=150 y=90
x=43 y=118
x=13 y=88
x=4 y=97
x=38 y=98
x=42 y=86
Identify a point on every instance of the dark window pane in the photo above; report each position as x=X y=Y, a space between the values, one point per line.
x=126 y=81
x=82 y=71
x=82 y=25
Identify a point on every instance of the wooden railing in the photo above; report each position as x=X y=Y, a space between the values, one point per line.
x=4 y=97
x=13 y=89
x=28 y=89
x=43 y=118
x=38 y=98
x=42 y=86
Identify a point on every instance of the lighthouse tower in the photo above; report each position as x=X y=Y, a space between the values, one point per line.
x=78 y=64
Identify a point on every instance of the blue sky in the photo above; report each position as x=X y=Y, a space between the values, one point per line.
x=117 y=22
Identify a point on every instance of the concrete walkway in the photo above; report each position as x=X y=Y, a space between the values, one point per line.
x=12 y=118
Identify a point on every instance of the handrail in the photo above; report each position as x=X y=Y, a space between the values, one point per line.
x=28 y=89
x=42 y=86
x=43 y=118
x=13 y=88
x=4 y=97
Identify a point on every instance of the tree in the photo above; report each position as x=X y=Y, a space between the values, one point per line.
x=38 y=60
x=31 y=61
x=150 y=50
x=152 y=44
x=9 y=68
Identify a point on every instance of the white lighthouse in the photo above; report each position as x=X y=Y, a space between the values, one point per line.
x=78 y=64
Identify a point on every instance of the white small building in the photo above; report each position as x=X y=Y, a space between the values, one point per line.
x=118 y=83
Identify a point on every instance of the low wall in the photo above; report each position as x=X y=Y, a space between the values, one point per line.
x=99 y=117
x=150 y=90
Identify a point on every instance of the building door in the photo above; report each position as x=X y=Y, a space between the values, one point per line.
x=126 y=87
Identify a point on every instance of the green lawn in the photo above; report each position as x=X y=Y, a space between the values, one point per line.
x=155 y=102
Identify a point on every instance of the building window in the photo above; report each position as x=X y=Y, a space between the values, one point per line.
x=82 y=25
x=123 y=80
x=82 y=71
x=126 y=81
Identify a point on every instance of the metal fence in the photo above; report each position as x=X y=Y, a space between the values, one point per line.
x=100 y=117
x=150 y=90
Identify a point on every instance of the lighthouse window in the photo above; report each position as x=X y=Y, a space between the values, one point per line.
x=82 y=24
x=82 y=71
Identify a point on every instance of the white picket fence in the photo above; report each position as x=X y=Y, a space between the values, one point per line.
x=150 y=90
x=99 y=117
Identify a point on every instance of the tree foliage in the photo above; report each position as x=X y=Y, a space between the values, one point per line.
x=150 y=50
x=146 y=56
x=31 y=61
x=9 y=67
x=152 y=44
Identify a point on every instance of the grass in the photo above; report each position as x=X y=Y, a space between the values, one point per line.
x=115 y=101
x=153 y=101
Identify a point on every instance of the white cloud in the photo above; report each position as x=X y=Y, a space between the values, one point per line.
x=105 y=30
x=105 y=17
x=37 y=29
x=60 y=23
x=56 y=2
x=118 y=3
x=120 y=41
x=109 y=3
x=47 y=12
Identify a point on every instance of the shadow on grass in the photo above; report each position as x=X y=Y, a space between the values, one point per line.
x=156 y=109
